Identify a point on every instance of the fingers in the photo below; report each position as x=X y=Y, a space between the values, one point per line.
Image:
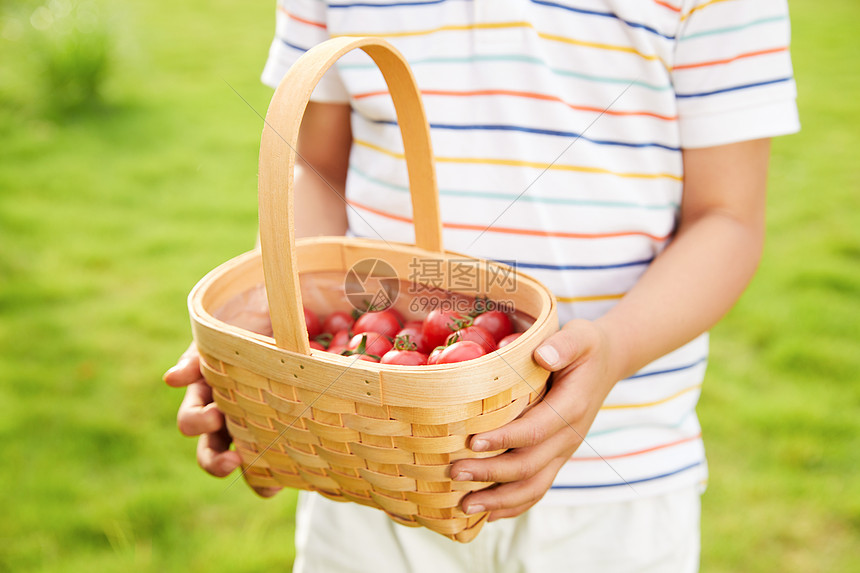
x=186 y=370
x=567 y=346
x=214 y=454
x=198 y=414
x=518 y=464
x=513 y=512
x=560 y=409
x=510 y=498
x=266 y=491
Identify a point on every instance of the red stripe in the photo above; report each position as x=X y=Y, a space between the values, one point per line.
x=667 y=5
x=512 y=230
x=730 y=60
x=530 y=95
x=645 y=451
x=302 y=20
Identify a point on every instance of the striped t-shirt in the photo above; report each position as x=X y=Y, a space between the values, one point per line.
x=557 y=128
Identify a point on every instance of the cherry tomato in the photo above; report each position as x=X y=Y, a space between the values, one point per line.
x=313 y=324
x=337 y=321
x=412 y=336
x=383 y=321
x=316 y=345
x=460 y=352
x=476 y=334
x=404 y=358
x=400 y=320
x=340 y=338
x=439 y=324
x=375 y=343
x=508 y=339
x=434 y=356
x=496 y=322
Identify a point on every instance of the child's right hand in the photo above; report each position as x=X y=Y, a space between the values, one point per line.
x=199 y=416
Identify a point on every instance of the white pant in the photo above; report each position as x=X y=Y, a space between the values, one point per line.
x=658 y=534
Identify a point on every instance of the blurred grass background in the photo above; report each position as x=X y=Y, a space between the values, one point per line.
x=128 y=170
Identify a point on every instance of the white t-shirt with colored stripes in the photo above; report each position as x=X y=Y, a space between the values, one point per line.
x=558 y=128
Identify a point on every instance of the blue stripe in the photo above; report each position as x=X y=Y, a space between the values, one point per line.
x=735 y=88
x=668 y=370
x=628 y=482
x=293 y=46
x=575 y=267
x=603 y=14
x=570 y=134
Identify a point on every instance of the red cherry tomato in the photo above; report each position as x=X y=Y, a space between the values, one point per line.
x=337 y=321
x=412 y=336
x=400 y=320
x=496 y=322
x=375 y=343
x=460 y=352
x=508 y=339
x=316 y=345
x=384 y=322
x=313 y=324
x=434 y=356
x=404 y=358
x=340 y=338
x=476 y=334
x=439 y=324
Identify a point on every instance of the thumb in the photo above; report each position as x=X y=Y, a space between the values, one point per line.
x=566 y=346
x=186 y=370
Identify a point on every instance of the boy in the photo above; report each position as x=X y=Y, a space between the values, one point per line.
x=615 y=149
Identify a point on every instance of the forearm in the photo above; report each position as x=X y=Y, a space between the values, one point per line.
x=319 y=179
x=705 y=269
x=320 y=205
x=688 y=288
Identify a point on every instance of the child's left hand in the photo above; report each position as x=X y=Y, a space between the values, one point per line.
x=545 y=437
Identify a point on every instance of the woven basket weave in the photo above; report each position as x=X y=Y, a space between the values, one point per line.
x=379 y=435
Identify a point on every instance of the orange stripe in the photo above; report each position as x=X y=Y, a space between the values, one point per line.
x=511 y=230
x=730 y=60
x=645 y=451
x=530 y=95
x=667 y=5
x=302 y=20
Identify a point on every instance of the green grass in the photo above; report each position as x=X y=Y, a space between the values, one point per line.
x=109 y=213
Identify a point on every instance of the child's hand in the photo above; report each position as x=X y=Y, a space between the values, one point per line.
x=545 y=437
x=198 y=416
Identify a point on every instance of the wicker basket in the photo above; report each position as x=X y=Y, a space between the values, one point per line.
x=383 y=436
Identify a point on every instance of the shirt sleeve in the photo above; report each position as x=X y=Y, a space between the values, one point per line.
x=732 y=72
x=300 y=25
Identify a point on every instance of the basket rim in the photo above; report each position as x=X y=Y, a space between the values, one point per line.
x=200 y=314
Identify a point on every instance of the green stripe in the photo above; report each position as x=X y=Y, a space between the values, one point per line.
x=638 y=426
x=519 y=58
x=524 y=197
x=732 y=28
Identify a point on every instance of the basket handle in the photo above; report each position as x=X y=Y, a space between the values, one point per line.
x=278 y=158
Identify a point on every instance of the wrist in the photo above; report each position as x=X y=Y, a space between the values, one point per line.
x=616 y=334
